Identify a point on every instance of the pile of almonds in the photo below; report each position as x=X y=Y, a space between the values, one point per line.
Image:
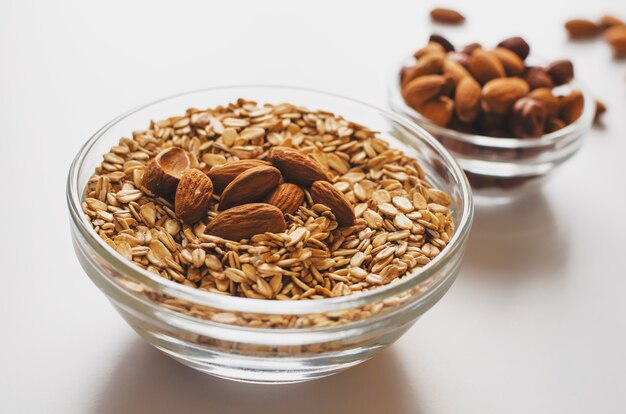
x=612 y=28
x=489 y=92
x=267 y=202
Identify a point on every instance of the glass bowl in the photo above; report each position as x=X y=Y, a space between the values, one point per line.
x=257 y=340
x=502 y=169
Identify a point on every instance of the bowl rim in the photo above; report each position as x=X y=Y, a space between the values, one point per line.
x=397 y=104
x=74 y=198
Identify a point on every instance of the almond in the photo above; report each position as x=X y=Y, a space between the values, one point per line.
x=295 y=166
x=419 y=90
x=485 y=66
x=499 y=95
x=222 y=175
x=467 y=100
x=549 y=101
x=554 y=124
x=608 y=21
x=193 y=196
x=538 y=78
x=455 y=70
x=616 y=37
x=445 y=43
x=325 y=193
x=600 y=110
x=250 y=186
x=560 y=71
x=287 y=197
x=243 y=222
x=428 y=65
x=581 y=29
x=528 y=118
x=517 y=45
x=571 y=106
x=513 y=64
x=431 y=47
x=164 y=171
x=439 y=110
x=447 y=16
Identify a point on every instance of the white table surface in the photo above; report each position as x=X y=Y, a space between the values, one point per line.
x=534 y=324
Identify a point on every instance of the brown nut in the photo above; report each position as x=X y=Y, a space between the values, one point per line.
x=287 y=197
x=608 y=21
x=560 y=71
x=538 y=78
x=517 y=45
x=550 y=102
x=554 y=124
x=222 y=175
x=447 y=46
x=581 y=29
x=296 y=167
x=250 y=186
x=243 y=222
x=469 y=49
x=455 y=70
x=323 y=192
x=431 y=47
x=498 y=95
x=485 y=66
x=431 y=64
x=447 y=16
x=616 y=37
x=528 y=118
x=571 y=106
x=467 y=100
x=439 y=110
x=421 y=89
x=513 y=64
x=164 y=171
x=193 y=196
x=600 y=110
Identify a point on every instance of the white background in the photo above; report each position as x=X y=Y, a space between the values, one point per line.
x=534 y=324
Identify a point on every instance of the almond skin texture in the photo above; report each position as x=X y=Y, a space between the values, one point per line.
x=193 y=196
x=513 y=65
x=439 y=110
x=243 y=222
x=517 y=45
x=164 y=171
x=467 y=100
x=296 y=167
x=430 y=64
x=222 y=175
x=420 y=90
x=325 y=193
x=581 y=29
x=485 y=66
x=447 y=16
x=499 y=95
x=571 y=106
x=287 y=197
x=250 y=186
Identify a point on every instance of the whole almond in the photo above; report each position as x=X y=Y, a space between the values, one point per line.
x=243 y=222
x=616 y=37
x=549 y=101
x=538 y=78
x=581 y=29
x=485 y=66
x=164 y=171
x=467 y=100
x=430 y=64
x=447 y=16
x=439 y=110
x=499 y=95
x=323 y=192
x=287 y=197
x=600 y=110
x=193 y=196
x=250 y=186
x=296 y=167
x=528 y=118
x=513 y=64
x=517 y=45
x=560 y=71
x=421 y=89
x=455 y=70
x=222 y=175
x=571 y=106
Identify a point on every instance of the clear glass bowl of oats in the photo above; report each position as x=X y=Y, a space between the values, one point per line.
x=502 y=168
x=229 y=308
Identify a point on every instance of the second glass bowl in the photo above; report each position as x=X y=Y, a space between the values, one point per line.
x=501 y=169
